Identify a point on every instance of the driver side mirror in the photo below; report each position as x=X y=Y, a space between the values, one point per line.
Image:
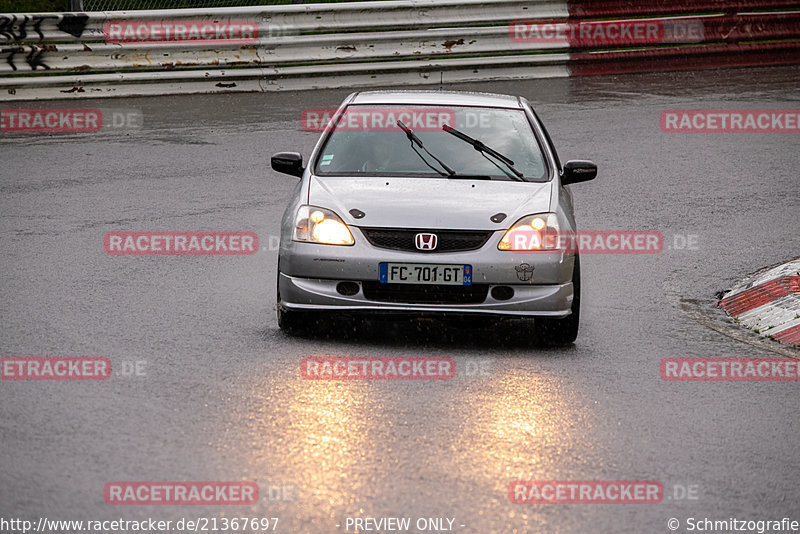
x=578 y=171
x=290 y=163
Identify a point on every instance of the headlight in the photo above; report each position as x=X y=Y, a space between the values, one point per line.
x=318 y=225
x=534 y=232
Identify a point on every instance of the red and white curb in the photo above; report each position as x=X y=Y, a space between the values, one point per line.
x=768 y=303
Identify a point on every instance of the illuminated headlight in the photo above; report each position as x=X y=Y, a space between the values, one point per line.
x=318 y=225
x=534 y=232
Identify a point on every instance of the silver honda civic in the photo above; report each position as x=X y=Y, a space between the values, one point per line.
x=430 y=202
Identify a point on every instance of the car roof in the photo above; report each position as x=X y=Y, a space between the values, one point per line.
x=452 y=98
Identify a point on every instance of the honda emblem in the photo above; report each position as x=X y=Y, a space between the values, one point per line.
x=426 y=241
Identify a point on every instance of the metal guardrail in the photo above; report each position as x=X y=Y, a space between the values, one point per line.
x=304 y=18
x=306 y=46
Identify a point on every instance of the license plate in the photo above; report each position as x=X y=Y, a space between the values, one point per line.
x=426 y=273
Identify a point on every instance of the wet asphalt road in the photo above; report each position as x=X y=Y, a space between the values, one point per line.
x=222 y=398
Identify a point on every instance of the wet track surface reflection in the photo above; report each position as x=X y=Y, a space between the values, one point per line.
x=339 y=439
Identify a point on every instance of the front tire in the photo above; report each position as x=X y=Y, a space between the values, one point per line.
x=558 y=332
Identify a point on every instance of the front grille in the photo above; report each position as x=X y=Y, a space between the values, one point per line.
x=449 y=240
x=425 y=294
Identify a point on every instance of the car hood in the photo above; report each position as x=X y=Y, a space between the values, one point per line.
x=429 y=202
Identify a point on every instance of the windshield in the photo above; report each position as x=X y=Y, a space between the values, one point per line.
x=367 y=140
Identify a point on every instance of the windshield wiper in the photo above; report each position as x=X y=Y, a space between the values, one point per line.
x=412 y=137
x=483 y=149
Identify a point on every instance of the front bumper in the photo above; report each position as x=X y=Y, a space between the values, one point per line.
x=321 y=294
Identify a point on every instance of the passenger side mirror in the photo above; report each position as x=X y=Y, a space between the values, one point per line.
x=578 y=171
x=290 y=163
